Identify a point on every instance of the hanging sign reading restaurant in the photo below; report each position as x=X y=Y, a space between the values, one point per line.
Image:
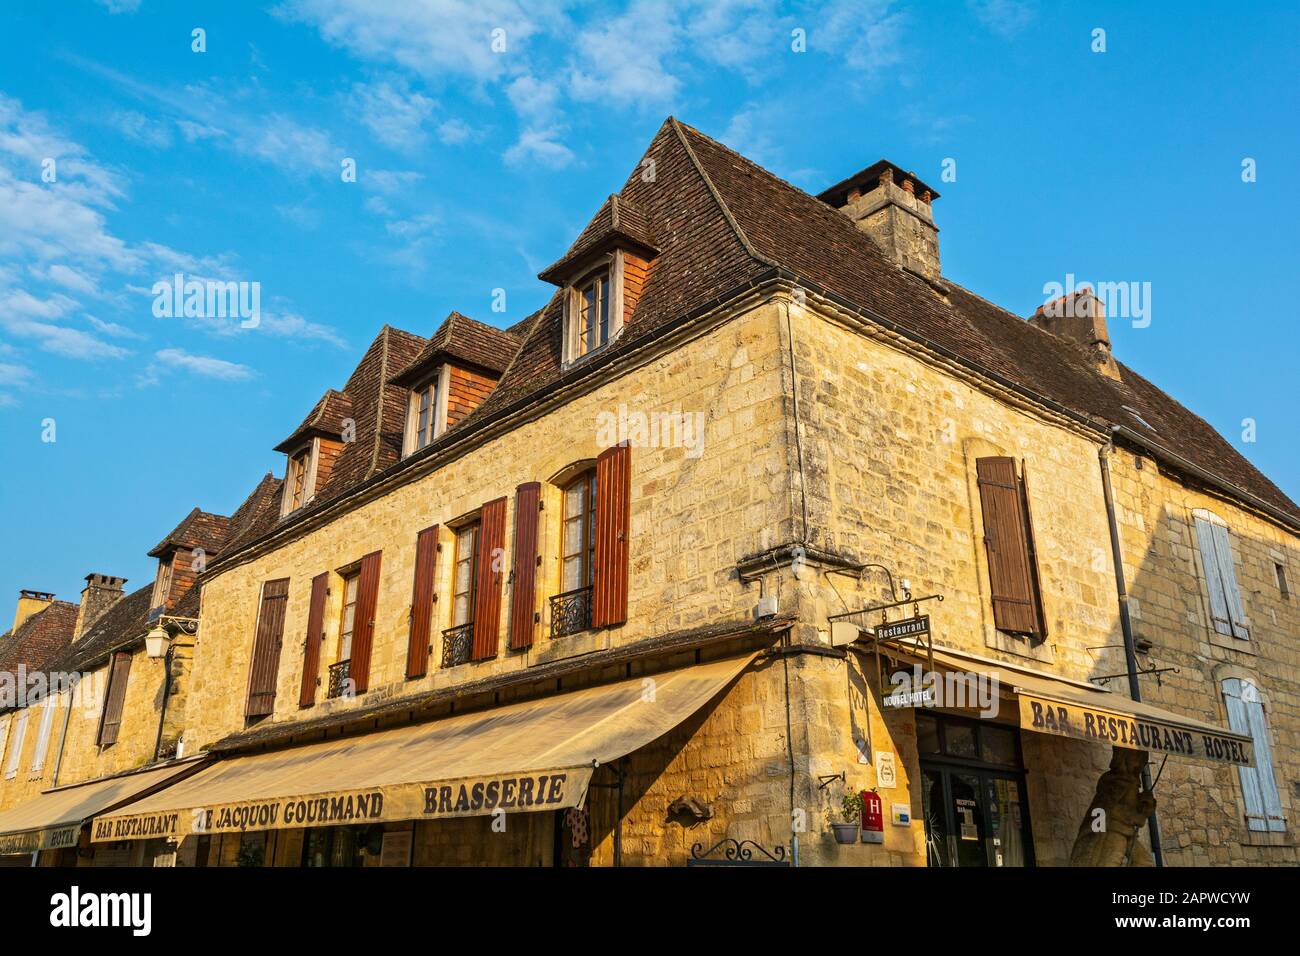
x=1135 y=733
x=909 y=627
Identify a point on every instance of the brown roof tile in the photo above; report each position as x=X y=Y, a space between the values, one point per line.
x=39 y=641
x=464 y=339
x=326 y=419
x=198 y=529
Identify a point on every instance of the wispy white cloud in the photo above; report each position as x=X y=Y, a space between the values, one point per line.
x=119 y=6
x=203 y=365
x=394 y=112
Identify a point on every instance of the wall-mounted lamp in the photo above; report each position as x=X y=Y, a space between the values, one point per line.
x=156 y=642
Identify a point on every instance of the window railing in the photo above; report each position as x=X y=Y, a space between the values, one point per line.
x=457 y=644
x=340 y=679
x=571 y=612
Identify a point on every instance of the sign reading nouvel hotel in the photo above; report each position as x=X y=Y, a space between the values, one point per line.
x=556 y=790
x=1135 y=733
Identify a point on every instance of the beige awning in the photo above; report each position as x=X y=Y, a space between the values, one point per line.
x=533 y=755
x=1066 y=708
x=54 y=819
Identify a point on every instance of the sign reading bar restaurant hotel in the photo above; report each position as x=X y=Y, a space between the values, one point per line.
x=29 y=841
x=1135 y=733
x=554 y=790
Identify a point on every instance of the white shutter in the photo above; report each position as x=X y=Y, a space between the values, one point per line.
x=1228 y=574
x=48 y=707
x=1213 y=577
x=4 y=734
x=16 y=749
x=1264 y=765
x=1239 y=721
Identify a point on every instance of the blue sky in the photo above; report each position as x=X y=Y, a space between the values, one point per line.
x=477 y=167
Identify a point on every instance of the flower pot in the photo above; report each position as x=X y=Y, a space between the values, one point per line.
x=845 y=832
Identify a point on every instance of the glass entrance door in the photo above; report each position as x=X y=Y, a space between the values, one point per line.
x=973 y=794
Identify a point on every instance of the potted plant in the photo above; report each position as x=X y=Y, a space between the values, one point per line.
x=851 y=810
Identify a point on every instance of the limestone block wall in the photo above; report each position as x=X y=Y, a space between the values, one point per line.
x=1202 y=809
x=692 y=516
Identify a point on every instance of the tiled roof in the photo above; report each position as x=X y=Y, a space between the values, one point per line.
x=618 y=221
x=463 y=338
x=326 y=418
x=256 y=515
x=122 y=624
x=722 y=224
x=39 y=641
x=198 y=529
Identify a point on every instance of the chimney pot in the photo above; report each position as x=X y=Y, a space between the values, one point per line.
x=892 y=216
x=30 y=602
x=101 y=592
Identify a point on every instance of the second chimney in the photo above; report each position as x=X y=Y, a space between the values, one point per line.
x=101 y=592
x=29 y=603
x=1080 y=317
x=893 y=208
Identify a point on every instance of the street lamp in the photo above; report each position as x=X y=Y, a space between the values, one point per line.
x=156 y=641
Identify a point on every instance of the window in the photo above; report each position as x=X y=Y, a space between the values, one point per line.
x=594 y=309
x=48 y=706
x=16 y=745
x=426 y=416
x=1279 y=570
x=1226 y=611
x=1258 y=785
x=297 y=481
x=593 y=313
x=578 y=547
x=1009 y=546
x=349 y=620
x=465 y=582
x=4 y=734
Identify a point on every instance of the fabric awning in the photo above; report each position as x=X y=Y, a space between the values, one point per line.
x=54 y=819
x=1067 y=708
x=533 y=755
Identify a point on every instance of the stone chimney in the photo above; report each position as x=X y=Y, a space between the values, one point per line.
x=893 y=207
x=1080 y=317
x=101 y=592
x=29 y=603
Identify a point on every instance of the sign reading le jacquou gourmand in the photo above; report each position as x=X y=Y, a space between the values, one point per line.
x=478 y=797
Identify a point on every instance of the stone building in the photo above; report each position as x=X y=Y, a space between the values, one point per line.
x=759 y=512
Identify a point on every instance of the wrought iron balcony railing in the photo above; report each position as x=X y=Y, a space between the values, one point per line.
x=457 y=644
x=571 y=612
x=340 y=679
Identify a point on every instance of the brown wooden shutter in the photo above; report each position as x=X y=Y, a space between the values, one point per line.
x=1036 y=580
x=116 y=697
x=1006 y=542
x=363 y=624
x=265 y=666
x=311 y=645
x=491 y=560
x=613 y=514
x=426 y=564
x=523 y=599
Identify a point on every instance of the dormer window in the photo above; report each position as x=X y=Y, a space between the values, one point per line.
x=594 y=309
x=299 y=478
x=593 y=313
x=426 y=416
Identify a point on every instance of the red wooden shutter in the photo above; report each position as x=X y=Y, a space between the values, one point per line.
x=613 y=519
x=363 y=624
x=116 y=697
x=491 y=561
x=426 y=563
x=265 y=666
x=311 y=645
x=523 y=611
x=1006 y=542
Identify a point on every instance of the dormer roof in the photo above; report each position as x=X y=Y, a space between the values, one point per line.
x=198 y=529
x=325 y=420
x=462 y=339
x=618 y=223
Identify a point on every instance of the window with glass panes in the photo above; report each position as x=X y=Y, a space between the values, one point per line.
x=578 y=548
x=593 y=313
x=426 y=407
x=298 y=478
x=463 y=584
x=348 y=622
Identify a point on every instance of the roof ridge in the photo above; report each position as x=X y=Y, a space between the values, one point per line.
x=379 y=401
x=717 y=196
